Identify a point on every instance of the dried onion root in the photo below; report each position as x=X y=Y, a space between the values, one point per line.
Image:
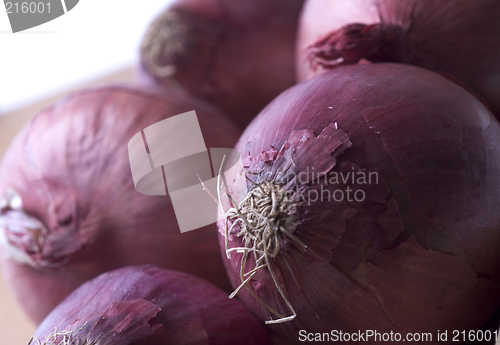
x=264 y=216
x=68 y=338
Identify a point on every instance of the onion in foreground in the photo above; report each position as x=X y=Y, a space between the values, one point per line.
x=146 y=305
x=70 y=210
x=460 y=38
x=367 y=200
x=237 y=55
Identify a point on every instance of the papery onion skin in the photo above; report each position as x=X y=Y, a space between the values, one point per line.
x=70 y=166
x=147 y=305
x=237 y=55
x=419 y=253
x=460 y=38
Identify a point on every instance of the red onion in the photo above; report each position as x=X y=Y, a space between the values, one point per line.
x=148 y=305
x=460 y=38
x=236 y=55
x=70 y=209
x=368 y=196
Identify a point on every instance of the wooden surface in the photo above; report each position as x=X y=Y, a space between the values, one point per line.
x=15 y=328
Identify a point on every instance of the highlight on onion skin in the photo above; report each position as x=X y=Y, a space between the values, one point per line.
x=237 y=55
x=459 y=38
x=146 y=305
x=413 y=248
x=70 y=210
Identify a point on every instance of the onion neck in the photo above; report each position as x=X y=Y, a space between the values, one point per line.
x=21 y=235
x=180 y=50
x=354 y=42
x=162 y=44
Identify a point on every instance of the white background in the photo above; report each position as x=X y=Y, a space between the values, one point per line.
x=95 y=38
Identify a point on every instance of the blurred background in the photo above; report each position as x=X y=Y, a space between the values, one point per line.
x=96 y=42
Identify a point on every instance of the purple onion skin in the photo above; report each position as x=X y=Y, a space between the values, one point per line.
x=70 y=165
x=236 y=55
x=146 y=305
x=459 y=38
x=420 y=252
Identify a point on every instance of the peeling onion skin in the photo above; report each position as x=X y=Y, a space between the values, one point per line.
x=146 y=305
x=236 y=55
x=460 y=38
x=81 y=214
x=420 y=252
